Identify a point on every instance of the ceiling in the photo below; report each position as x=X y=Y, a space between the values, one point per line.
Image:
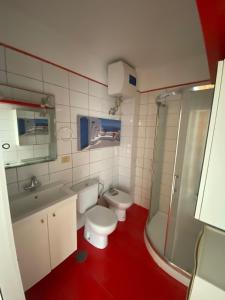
x=145 y=33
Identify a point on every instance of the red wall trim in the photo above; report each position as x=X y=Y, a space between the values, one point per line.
x=86 y=77
x=49 y=62
x=176 y=85
x=21 y=103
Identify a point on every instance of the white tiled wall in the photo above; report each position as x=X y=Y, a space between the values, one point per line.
x=144 y=147
x=128 y=166
x=125 y=163
x=74 y=95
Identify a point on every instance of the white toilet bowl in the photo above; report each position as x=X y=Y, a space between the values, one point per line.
x=119 y=203
x=100 y=222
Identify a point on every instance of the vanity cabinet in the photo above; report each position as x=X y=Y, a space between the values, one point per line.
x=61 y=227
x=211 y=197
x=32 y=247
x=44 y=239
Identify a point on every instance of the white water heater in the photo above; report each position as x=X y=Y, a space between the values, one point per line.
x=122 y=80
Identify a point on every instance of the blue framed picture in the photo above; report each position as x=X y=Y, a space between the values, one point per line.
x=98 y=132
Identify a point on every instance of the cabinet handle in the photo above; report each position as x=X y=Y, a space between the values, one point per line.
x=42 y=221
x=53 y=214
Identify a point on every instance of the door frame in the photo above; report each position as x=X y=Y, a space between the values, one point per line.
x=10 y=280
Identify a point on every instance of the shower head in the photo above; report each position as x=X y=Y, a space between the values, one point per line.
x=161 y=98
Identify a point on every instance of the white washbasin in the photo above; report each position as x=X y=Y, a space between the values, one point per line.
x=27 y=203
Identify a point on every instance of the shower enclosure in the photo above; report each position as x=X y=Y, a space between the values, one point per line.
x=171 y=230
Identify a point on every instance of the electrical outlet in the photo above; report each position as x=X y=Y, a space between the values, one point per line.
x=65 y=159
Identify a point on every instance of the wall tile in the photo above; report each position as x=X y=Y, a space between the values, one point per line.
x=19 y=63
x=64 y=147
x=78 y=83
x=95 y=103
x=123 y=171
x=96 y=114
x=61 y=94
x=74 y=112
x=62 y=113
x=78 y=100
x=2 y=59
x=32 y=170
x=24 y=82
x=97 y=167
x=64 y=131
x=125 y=162
x=74 y=96
x=52 y=74
x=143 y=109
x=144 y=98
x=96 y=155
x=64 y=176
x=107 y=153
x=3 y=78
x=58 y=165
x=124 y=183
x=152 y=109
x=97 y=90
x=80 y=173
x=81 y=158
x=127 y=109
x=74 y=145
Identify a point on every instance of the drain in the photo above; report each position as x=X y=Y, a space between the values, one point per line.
x=81 y=256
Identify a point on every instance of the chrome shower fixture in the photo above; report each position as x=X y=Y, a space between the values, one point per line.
x=161 y=98
x=115 y=108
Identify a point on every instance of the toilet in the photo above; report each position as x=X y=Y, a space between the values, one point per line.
x=118 y=202
x=99 y=221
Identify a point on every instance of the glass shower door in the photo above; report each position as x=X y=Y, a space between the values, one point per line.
x=182 y=228
x=163 y=165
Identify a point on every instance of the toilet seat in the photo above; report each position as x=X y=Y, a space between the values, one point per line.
x=100 y=222
x=101 y=219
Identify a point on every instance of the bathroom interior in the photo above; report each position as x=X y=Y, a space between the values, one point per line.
x=112 y=151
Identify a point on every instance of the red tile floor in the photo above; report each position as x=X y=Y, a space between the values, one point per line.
x=124 y=270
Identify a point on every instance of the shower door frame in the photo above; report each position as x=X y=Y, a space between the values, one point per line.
x=163 y=257
x=178 y=163
x=164 y=262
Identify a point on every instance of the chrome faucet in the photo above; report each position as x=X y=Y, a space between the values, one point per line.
x=34 y=183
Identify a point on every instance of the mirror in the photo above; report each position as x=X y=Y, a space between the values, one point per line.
x=27 y=126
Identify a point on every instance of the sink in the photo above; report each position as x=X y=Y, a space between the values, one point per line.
x=27 y=203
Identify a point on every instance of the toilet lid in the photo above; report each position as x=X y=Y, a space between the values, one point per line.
x=121 y=197
x=101 y=216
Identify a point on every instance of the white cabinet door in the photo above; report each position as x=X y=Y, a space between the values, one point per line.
x=62 y=231
x=204 y=290
x=31 y=239
x=211 y=199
